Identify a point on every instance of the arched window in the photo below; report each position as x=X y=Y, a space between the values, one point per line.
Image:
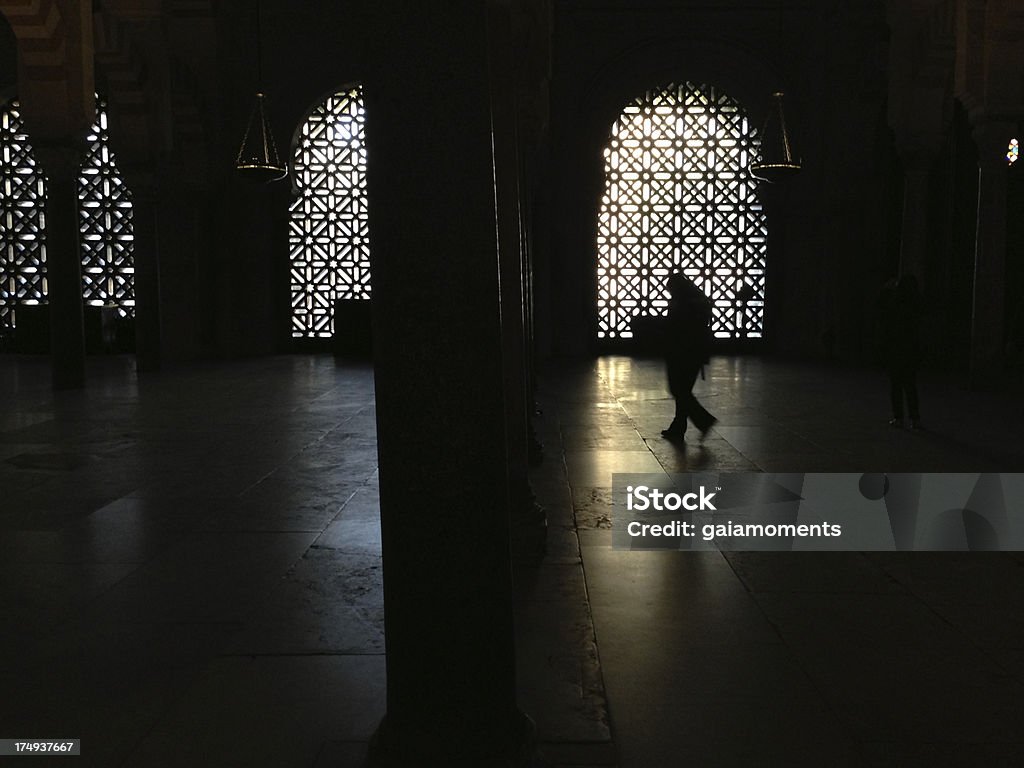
x=328 y=233
x=22 y=221
x=678 y=196
x=105 y=224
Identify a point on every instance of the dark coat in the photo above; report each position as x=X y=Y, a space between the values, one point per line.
x=688 y=342
x=900 y=325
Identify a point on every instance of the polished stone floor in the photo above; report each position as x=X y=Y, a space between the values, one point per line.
x=190 y=574
x=795 y=658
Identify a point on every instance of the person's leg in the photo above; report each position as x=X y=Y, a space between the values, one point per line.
x=676 y=385
x=678 y=426
x=698 y=414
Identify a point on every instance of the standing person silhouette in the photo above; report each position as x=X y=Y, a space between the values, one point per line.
x=900 y=313
x=687 y=349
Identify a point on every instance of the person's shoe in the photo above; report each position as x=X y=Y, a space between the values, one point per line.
x=673 y=434
x=898 y=423
x=704 y=431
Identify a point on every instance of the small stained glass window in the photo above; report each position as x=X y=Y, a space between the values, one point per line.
x=1013 y=153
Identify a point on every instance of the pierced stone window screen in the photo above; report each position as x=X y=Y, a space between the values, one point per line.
x=22 y=221
x=105 y=224
x=678 y=196
x=328 y=232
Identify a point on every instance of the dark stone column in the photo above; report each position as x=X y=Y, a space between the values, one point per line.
x=147 y=279
x=61 y=163
x=511 y=251
x=777 y=330
x=988 y=321
x=440 y=378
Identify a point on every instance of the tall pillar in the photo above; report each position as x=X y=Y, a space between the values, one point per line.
x=510 y=258
x=988 y=315
x=775 y=201
x=440 y=380
x=540 y=258
x=56 y=90
x=61 y=161
x=147 y=277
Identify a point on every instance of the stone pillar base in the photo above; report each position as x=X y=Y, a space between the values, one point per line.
x=420 y=744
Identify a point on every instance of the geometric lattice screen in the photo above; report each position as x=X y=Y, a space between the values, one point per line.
x=22 y=221
x=105 y=224
x=678 y=196
x=328 y=231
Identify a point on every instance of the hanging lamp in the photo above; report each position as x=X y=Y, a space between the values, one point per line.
x=776 y=161
x=257 y=157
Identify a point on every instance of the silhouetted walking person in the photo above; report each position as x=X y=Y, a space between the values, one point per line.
x=687 y=349
x=900 y=312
